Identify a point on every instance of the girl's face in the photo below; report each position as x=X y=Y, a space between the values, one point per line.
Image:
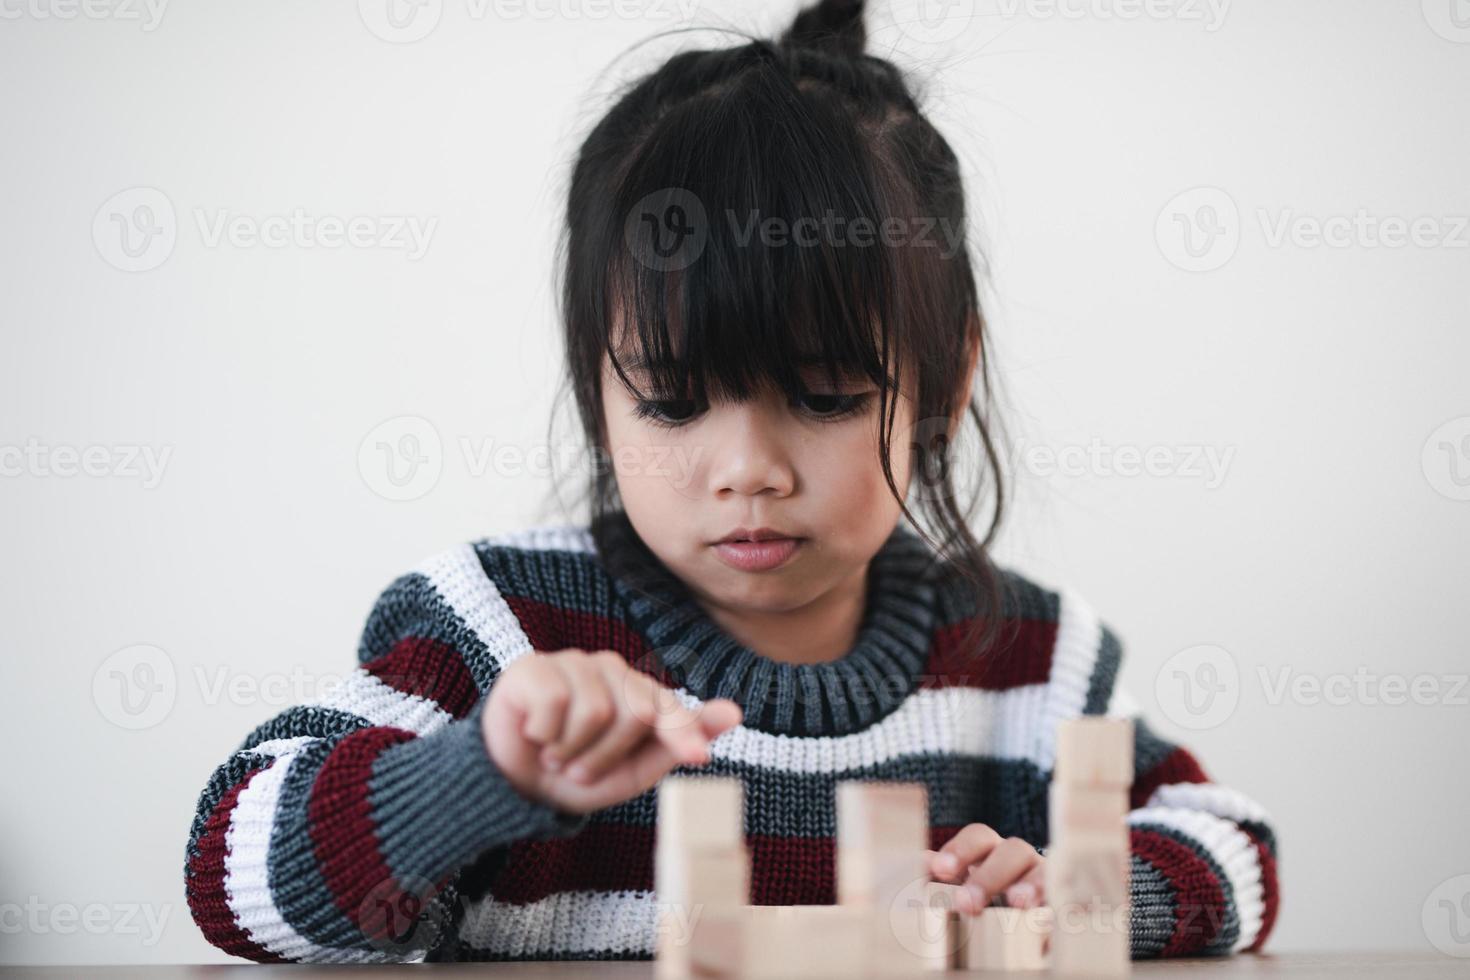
x=689 y=475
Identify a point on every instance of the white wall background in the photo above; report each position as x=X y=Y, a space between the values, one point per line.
x=1329 y=380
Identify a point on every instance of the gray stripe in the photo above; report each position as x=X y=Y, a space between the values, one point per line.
x=1104 y=673
x=296 y=883
x=1151 y=918
x=412 y=607
x=1198 y=919
x=962 y=790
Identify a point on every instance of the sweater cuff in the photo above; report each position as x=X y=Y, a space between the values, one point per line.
x=439 y=801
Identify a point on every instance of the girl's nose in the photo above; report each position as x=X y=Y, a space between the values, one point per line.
x=748 y=454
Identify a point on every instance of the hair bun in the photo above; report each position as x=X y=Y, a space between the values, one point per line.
x=832 y=25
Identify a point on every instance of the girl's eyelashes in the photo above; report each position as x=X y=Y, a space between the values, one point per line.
x=672 y=413
x=666 y=414
x=835 y=406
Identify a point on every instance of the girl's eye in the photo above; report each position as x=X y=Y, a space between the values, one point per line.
x=667 y=413
x=832 y=406
x=671 y=413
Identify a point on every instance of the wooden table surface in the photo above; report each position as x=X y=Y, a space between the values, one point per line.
x=1297 y=966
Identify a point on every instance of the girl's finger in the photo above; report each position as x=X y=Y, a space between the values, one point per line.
x=627 y=730
x=672 y=724
x=590 y=709
x=1030 y=891
x=1007 y=862
x=543 y=701
x=649 y=762
x=970 y=844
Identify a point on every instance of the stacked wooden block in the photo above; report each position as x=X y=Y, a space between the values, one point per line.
x=891 y=919
x=883 y=873
x=1087 y=862
x=702 y=875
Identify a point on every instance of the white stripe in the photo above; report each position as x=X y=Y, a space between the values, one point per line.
x=459 y=578
x=1222 y=801
x=1122 y=704
x=364 y=695
x=564 y=922
x=247 y=884
x=279 y=746
x=576 y=538
x=1079 y=637
x=962 y=721
x=1231 y=849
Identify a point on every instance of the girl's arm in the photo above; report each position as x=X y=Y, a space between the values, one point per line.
x=1204 y=856
x=337 y=830
x=1203 y=869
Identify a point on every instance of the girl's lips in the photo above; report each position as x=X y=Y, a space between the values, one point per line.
x=757 y=556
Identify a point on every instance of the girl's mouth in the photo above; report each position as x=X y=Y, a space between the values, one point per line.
x=757 y=556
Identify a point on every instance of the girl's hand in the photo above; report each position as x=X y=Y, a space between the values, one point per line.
x=581 y=731
x=988 y=864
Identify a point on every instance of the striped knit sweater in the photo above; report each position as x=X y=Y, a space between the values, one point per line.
x=372 y=826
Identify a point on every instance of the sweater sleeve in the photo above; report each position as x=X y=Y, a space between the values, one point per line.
x=1203 y=876
x=337 y=831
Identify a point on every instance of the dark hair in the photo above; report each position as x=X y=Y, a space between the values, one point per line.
x=808 y=125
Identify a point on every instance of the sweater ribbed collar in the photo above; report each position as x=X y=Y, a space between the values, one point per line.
x=845 y=695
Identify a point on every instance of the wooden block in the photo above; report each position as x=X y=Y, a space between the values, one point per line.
x=701 y=812
x=1095 y=751
x=702 y=898
x=1001 y=938
x=913 y=931
x=1087 y=953
x=882 y=815
x=796 y=941
x=875 y=879
x=703 y=877
x=1087 y=888
x=1088 y=815
x=882 y=833
x=711 y=943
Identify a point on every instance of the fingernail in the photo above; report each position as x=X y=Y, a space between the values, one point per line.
x=578 y=773
x=550 y=761
x=949 y=863
x=977 y=896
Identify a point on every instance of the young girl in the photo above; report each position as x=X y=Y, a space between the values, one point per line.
x=765 y=280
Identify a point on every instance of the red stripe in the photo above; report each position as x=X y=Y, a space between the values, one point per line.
x=1199 y=899
x=1270 y=889
x=1179 y=766
x=552 y=627
x=619 y=857
x=345 y=840
x=1022 y=656
x=428 y=669
x=205 y=886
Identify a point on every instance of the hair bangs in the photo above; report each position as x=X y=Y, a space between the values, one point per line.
x=750 y=254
